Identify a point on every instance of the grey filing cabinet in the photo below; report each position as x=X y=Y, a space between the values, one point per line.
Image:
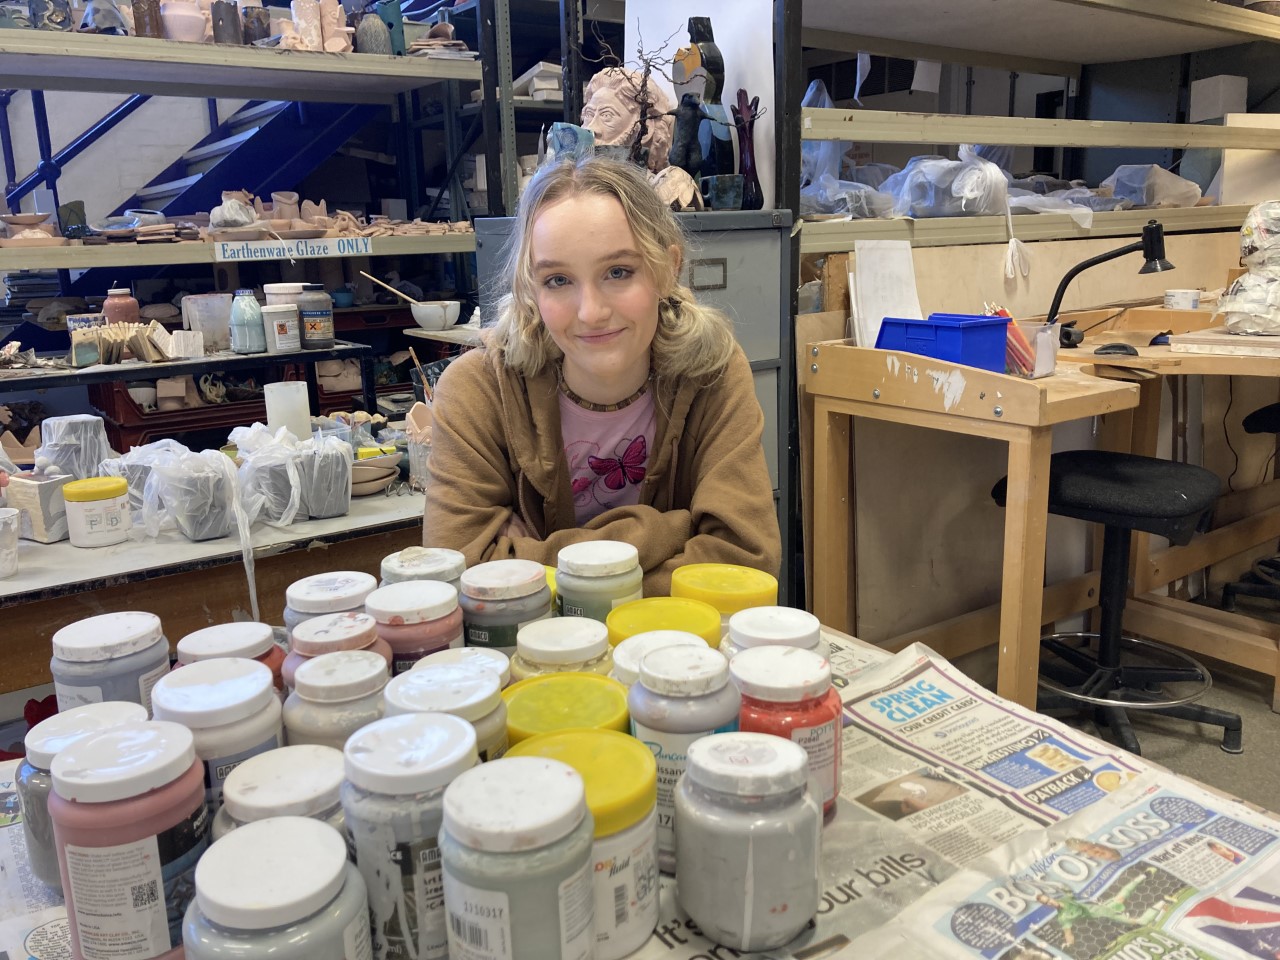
x=739 y=261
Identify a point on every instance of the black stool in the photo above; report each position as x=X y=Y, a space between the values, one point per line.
x=1264 y=579
x=1126 y=493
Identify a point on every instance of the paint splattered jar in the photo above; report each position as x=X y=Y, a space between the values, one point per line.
x=560 y=645
x=294 y=781
x=334 y=695
x=787 y=692
x=500 y=597
x=726 y=586
x=467 y=691
x=620 y=778
x=482 y=657
x=565 y=701
x=231 y=708
x=773 y=627
x=664 y=613
x=415 y=618
x=594 y=576
x=396 y=773
x=337 y=592
x=628 y=654
x=97 y=511
x=120 y=306
x=424 y=563
x=130 y=822
x=279 y=888
x=749 y=841
x=113 y=656
x=683 y=694
x=256 y=641
x=516 y=851
x=331 y=633
x=34 y=783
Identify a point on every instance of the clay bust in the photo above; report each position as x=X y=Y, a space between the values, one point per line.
x=612 y=113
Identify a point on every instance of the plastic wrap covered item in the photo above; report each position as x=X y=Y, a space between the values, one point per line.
x=1252 y=305
x=1260 y=239
x=845 y=198
x=76 y=443
x=871 y=174
x=818 y=157
x=1147 y=185
x=135 y=466
x=938 y=187
x=270 y=482
x=324 y=469
x=1023 y=201
x=197 y=493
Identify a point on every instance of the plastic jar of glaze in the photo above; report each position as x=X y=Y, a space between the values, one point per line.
x=334 y=695
x=278 y=294
x=130 y=822
x=279 y=888
x=337 y=592
x=34 y=783
x=565 y=701
x=113 y=656
x=416 y=617
x=280 y=324
x=787 y=692
x=397 y=771
x=562 y=644
x=594 y=576
x=121 y=306
x=97 y=511
x=664 y=613
x=424 y=563
x=621 y=785
x=474 y=656
x=773 y=627
x=467 y=691
x=301 y=781
x=628 y=654
x=247 y=332
x=516 y=850
x=256 y=641
x=500 y=597
x=315 y=317
x=749 y=840
x=682 y=695
x=231 y=708
x=331 y=633
x=726 y=586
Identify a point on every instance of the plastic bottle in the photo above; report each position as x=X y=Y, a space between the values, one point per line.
x=247 y=332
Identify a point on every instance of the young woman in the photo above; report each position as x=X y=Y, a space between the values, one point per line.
x=606 y=404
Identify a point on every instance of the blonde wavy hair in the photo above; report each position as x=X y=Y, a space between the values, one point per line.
x=692 y=340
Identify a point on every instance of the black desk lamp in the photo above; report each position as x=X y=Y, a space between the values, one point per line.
x=1152 y=247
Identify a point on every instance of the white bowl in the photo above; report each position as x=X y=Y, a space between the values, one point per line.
x=430 y=316
x=145 y=397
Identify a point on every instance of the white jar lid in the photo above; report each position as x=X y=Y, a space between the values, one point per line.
x=781 y=674
x=282 y=287
x=483 y=657
x=469 y=692
x=279 y=308
x=748 y=764
x=414 y=753
x=684 y=671
x=125 y=761
x=298 y=781
x=271 y=873
x=775 y=626
x=119 y=292
x=597 y=558
x=210 y=693
x=330 y=592
x=243 y=639
x=423 y=563
x=514 y=804
x=628 y=654
x=504 y=579
x=337 y=677
x=331 y=632
x=50 y=737
x=107 y=636
x=411 y=601
x=563 y=640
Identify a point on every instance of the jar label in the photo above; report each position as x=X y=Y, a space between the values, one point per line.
x=284 y=334
x=316 y=324
x=355 y=939
x=479 y=922
x=69 y=696
x=495 y=638
x=217 y=769
x=822 y=745
x=148 y=680
x=403 y=662
x=412 y=924
x=129 y=899
x=495 y=749
x=671 y=751
x=626 y=888
x=577 y=916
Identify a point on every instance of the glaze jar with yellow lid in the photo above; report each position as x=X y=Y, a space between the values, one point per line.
x=726 y=586
x=97 y=511
x=565 y=701
x=664 y=613
x=562 y=645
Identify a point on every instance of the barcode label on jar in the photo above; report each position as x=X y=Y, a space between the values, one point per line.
x=479 y=922
x=621 y=902
x=149 y=680
x=355 y=940
x=822 y=744
x=577 y=913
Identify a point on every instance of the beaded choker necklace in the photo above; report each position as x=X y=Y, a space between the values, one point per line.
x=603 y=407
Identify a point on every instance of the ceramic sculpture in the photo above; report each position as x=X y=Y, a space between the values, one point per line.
x=393 y=17
x=306 y=21
x=102 y=16
x=699 y=69
x=568 y=141
x=335 y=34
x=50 y=14
x=146 y=19
x=686 y=148
x=745 y=114
x=182 y=21
x=255 y=23
x=372 y=35
x=226 y=23
x=612 y=113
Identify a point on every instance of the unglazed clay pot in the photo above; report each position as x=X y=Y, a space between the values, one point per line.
x=183 y=21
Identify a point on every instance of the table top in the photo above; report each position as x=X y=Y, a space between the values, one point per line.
x=1167 y=362
x=463 y=333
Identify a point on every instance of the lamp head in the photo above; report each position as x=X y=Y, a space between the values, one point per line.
x=1153 y=249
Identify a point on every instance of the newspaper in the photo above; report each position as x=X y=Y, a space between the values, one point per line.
x=33 y=919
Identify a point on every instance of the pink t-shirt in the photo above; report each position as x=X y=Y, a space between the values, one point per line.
x=608 y=454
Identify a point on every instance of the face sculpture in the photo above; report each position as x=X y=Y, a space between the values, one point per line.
x=612 y=113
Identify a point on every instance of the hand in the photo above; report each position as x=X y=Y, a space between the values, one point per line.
x=514 y=527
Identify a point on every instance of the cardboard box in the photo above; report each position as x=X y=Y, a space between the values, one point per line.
x=1215 y=97
x=39 y=502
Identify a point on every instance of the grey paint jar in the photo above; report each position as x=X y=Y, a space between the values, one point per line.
x=113 y=656
x=500 y=597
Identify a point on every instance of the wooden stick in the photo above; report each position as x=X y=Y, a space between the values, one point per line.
x=387 y=286
x=426 y=387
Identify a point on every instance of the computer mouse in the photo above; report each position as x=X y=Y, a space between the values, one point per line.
x=1114 y=348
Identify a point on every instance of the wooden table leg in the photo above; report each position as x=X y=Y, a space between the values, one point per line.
x=833 y=556
x=1025 y=521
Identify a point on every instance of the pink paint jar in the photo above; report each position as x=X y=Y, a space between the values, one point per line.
x=330 y=633
x=417 y=618
x=335 y=592
x=130 y=822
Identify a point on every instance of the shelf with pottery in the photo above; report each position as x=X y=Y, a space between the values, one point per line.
x=53 y=60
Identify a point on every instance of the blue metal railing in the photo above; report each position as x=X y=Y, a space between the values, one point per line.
x=6 y=141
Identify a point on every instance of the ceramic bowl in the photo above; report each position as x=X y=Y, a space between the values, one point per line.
x=370 y=487
x=387 y=461
x=343 y=298
x=361 y=473
x=145 y=397
x=24 y=219
x=437 y=314
x=147 y=218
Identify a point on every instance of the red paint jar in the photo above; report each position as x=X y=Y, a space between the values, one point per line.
x=786 y=691
x=330 y=633
x=241 y=639
x=416 y=618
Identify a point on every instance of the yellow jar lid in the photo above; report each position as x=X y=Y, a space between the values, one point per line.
x=565 y=701
x=95 y=488
x=551 y=582
x=664 y=613
x=727 y=587
x=619 y=772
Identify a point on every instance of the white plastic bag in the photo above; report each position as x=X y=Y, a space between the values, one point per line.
x=1252 y=305
x=846 y=198
x=197 y=493
x=1260 y=239
x=1022 y=201
x=871 y=174
x=818 y=157
x=324 y=470
x=270 y=484
x=135 y=466
x=1148 y=185
x=75 y=443
x=938 y=187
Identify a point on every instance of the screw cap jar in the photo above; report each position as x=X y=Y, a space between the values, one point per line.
x=416 y=617
x=500 y=597
x=516 y=851
x=98 y=512
x=113 y=656
x=315 y=317
x=594 y=576
x=483 y=657
x=331 y=633
x=334 y=695
x=424 y=563
x=726 y=586
x=748 y=840
x=467 y=691
x=334 y=592
x=34 y=783
x=562 y=644
x=773 y=627
x=121 y=306
x=256 y=641
x=628 y=654
x=279 y=888
x=294 y=781
x=664 y=613
x=565 y=701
